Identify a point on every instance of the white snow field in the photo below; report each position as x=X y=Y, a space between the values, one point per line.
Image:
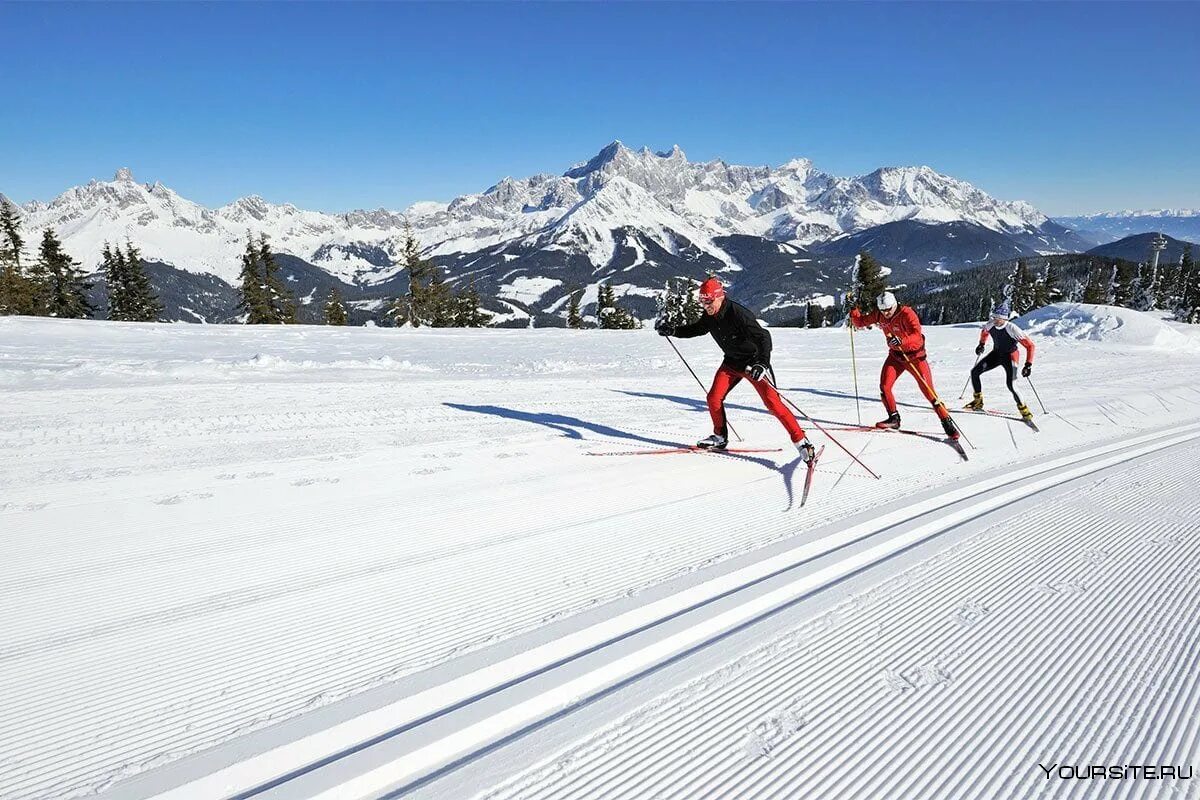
x=319 y=562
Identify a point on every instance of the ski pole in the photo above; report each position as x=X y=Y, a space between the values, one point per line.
x=694 y=375
x=816 y=424
x=936 y=400
x=1035 y=394
x=968 y=381
x=854 y=367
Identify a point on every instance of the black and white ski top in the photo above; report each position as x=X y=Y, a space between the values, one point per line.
x=736 y=331
x=1006 y=337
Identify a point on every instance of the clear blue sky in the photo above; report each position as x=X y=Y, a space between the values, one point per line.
x=1075 y=107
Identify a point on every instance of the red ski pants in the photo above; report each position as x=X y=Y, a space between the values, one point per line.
x=894 y=367
x=725 y=379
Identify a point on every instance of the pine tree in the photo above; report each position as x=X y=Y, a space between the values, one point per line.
x=279 y=301
x=1124 y=285
x=1021 y=289
x=335 y=308
x=677 y=305
x=1052 y=284
x=1189 y=310
x=253 y=290
x=467 y=311
x=112 y=266
x=868 y=282
x=1147 y=295
x=985 y=308
x=574 y=319
x=1096 y=289
x=66 y=295
x=1168 y=283
x=427 y=296
x=612 y=316
x=692 y=310
x=143 y=302
x=17 y=292
x=815 y=316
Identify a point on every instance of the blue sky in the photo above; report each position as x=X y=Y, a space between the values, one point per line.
x=1074 y=107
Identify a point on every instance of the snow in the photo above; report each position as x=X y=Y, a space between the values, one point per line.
x=527 y=290
x=1112 y=324
x=660 y=194
x=226 y=542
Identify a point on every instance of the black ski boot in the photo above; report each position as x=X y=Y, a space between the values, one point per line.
x=892 y=422
x=714 y=442
x=950 y=428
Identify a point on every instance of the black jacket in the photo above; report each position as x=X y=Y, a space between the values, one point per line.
x=738 y=333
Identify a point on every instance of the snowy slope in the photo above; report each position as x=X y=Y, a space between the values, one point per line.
x=222 y=540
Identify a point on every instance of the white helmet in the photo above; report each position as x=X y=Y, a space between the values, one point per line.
x=885 y=301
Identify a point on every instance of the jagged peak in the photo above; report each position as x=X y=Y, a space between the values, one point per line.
x=124 y=174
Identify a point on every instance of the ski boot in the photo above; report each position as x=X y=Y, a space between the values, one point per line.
x=1026 y=414
x=892 y=422
x=714 y=442
x=976 y=403
x=805 y=449
x=950 y=428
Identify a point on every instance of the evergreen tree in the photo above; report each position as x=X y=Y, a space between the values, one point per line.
x=574 y=319
x=254 y=292
x=1189 y=309
x=815 y=315
x=985 y=309
x=17 y=292
x=66 y=288
x=112 y=266
x=868 y=282
x=467 y=311
x=1096 y=289
x=1052 y=288
x=278 y=300
x=612 y=316
x=692 y=310
x=677 y=304
x=1167 y=284
x=1021 y=289
x=335 y=309
x=427 y=296
x=1124 y=284
x=1147 y=294
x=143 y=302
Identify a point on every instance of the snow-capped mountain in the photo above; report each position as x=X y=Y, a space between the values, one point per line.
x=634 y=216
x=1109 y=226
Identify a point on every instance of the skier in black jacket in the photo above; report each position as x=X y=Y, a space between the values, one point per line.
x=747 y=348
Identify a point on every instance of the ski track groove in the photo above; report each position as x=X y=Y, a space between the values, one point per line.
x=118 y=731
x=704 y=718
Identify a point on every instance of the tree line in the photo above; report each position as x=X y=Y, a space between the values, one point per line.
x=970 y=296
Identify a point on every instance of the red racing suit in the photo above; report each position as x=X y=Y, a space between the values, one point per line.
x=906 y=353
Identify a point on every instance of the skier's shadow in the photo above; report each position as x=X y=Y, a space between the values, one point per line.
x=847 y=396
x=573 y=428
x=702 y=405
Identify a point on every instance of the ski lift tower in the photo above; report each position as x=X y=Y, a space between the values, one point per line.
x=1157 y=245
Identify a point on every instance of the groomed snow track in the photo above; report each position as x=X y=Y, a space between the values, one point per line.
x=412 y=743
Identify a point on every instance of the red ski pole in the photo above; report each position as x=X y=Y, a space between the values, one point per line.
x=817 y=425
x=936 y=400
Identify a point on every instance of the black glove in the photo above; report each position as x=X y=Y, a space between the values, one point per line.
x=1028 y=368
x=664 y=328
x=979 y=350
x=894 y=341
x=757 y=371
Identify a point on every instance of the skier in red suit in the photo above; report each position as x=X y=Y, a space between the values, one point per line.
x=747 y=349
x=906 y=353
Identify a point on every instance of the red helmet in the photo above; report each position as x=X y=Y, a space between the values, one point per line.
x=711 y=289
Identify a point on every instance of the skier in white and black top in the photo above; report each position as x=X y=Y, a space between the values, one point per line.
x=1005 y=337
